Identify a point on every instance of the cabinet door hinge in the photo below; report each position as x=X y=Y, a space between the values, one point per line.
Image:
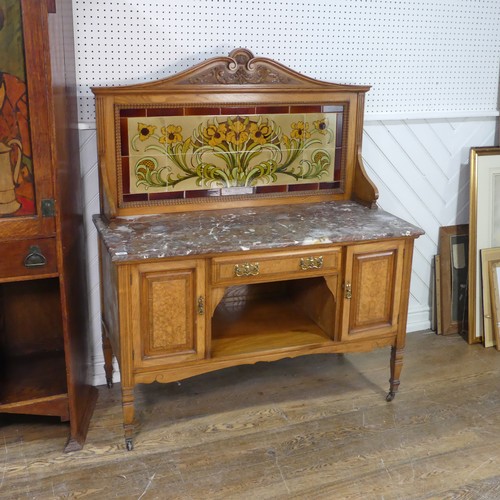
x=347 y=290
x=201 y=305
x=48 y=207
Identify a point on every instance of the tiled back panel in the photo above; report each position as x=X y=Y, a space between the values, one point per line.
x=147 y=170
x=419 y=56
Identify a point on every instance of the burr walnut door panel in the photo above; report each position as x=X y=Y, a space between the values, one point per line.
x=372 y=289
x=168 y=312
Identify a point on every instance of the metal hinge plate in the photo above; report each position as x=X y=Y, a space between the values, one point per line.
x=48 y=207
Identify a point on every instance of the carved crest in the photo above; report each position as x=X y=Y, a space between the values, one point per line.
x=240 y=68
x=235 y=71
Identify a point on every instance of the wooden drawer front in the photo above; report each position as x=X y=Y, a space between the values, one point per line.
x=274 y=266
x=24 y=259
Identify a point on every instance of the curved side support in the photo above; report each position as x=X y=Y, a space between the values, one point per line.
x=396 y=367
x=364 y=190
x=215 y=298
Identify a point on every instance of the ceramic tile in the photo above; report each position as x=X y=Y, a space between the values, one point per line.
x=125 y=175
x=340 y=129
x=203 y=193
x=201 y=111
x=142 y=133
x=272 y=110
x=124 y=142
x=271 y=189
x=303 y=187
x=166 y=196
x=338 y=164
x=177 y=153
x=309 y=108
x=151 y=112
x=238 y=111
x=332 y=109
x=148 y=174
x=129 y=198
x=328 y=185
x=132 y=112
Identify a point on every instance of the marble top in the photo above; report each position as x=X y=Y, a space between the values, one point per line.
x=246 y=229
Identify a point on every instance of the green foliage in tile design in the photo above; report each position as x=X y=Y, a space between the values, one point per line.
x=233 y=152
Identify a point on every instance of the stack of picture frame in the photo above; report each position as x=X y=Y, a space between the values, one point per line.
x=484 y=243
x=467 y=269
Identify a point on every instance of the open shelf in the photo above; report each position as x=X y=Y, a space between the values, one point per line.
x=269 y=317
x=32 y=358
x=31 y=380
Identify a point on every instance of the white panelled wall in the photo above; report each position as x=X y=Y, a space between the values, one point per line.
x=434 y=68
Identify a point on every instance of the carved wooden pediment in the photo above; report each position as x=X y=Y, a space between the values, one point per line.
x=240 y=68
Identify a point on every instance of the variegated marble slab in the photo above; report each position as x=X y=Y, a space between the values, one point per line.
x=274 y=227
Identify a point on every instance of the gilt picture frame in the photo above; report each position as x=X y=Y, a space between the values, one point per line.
x=484 y=208
x=454 y=249
x=488 y=255
x=494 y=274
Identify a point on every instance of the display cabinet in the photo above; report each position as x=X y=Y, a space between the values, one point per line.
x=238 y=225
x=43 y=312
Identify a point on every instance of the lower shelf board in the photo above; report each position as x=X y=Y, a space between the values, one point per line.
x=34 y=385
x=263 y=326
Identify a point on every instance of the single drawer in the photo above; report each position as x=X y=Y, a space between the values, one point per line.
x=23 y=259
x=274 y=266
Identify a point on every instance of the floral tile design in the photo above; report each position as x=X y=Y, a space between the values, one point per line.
x=184 y=153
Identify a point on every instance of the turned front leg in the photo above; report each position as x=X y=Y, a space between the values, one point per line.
x=396 y=367
x=108 y=359
x=128 y=416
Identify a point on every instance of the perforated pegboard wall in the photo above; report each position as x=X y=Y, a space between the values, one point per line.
x=423 y=58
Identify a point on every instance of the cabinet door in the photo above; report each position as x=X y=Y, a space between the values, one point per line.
x=168 y=312
x=26 y=122
x=372 y=289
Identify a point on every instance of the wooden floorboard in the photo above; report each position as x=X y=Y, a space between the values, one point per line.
x=307 y=428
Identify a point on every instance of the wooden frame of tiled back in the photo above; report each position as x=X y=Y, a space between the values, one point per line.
x=242 y=87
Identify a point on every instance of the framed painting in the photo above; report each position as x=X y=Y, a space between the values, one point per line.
x=494 y=272
x=484 y=227
x=454 y=251
x=17 y=192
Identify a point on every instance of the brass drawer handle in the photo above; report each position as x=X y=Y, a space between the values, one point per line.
x=35 y=257
x=307 y=263
x=246 y=269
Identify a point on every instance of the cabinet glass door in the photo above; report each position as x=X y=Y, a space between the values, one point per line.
x=27 y=120
x=17 y=193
